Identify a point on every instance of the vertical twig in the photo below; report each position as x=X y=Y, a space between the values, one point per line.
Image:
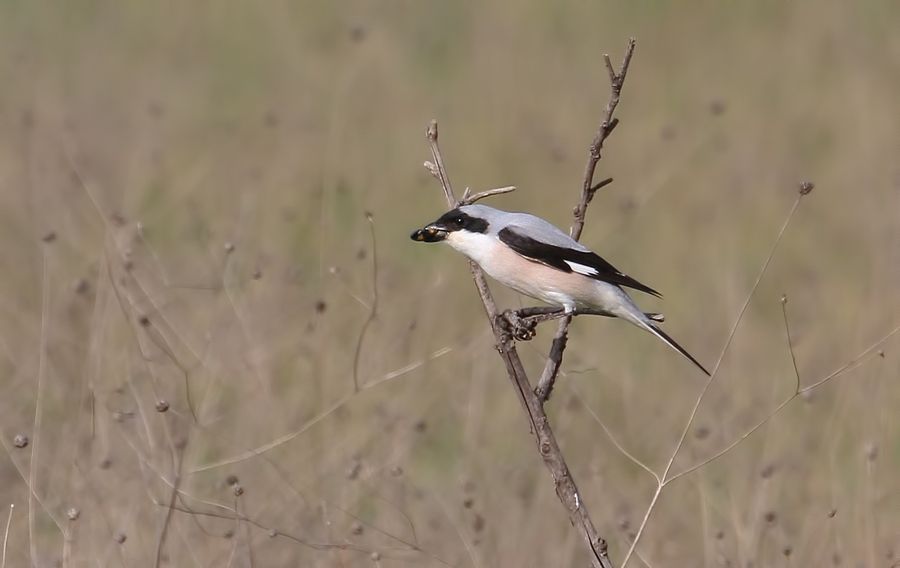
x=38 y=405
x=588 y=189
x=373 y=309
x=12 y=507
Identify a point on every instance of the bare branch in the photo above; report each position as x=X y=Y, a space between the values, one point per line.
x=437 y=166
x=547 y=445
x=588 y=189
x=533 y=402
x=617 y=80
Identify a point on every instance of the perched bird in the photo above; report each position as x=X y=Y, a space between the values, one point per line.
x=532 y=256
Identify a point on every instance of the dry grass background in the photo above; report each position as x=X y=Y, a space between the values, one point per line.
x=146 y=136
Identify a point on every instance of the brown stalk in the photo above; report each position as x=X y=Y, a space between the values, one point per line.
x=532 y=399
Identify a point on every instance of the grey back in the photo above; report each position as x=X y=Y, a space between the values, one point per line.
x=524 y=224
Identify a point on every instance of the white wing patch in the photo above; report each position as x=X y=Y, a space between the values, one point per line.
x=582 y=269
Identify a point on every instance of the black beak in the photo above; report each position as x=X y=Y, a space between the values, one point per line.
x=429 y=234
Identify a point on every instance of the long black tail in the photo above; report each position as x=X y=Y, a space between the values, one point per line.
x=674 y=345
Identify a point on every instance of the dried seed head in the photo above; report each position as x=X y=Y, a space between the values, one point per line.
x=357 y=33
x=806 y=187
x=238 y=490
x=871 y=451
x=354 y=469
x=356 y=528
x=120 y=537
x=229 y=247
x=232 y=479
x=81 y=286
x=162 y=405
x=73 y=513
x=20 y=441
x=49 y=237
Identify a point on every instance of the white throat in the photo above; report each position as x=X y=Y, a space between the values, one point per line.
x=477 y=246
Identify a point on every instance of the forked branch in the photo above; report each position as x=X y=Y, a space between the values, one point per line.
x=533 y=400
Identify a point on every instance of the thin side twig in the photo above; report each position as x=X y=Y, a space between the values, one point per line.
x=468 y=199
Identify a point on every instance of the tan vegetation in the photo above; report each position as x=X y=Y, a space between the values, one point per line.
x=187 y=268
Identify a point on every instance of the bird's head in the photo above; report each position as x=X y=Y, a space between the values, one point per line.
x=466 y=218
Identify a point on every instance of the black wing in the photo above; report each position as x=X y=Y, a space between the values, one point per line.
x=570 y=260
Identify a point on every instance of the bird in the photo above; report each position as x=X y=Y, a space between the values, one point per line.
x=534 y=257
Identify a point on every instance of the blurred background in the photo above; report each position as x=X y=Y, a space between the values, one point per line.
x=189 y=280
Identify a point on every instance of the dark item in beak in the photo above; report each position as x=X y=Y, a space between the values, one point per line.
x=429 y=234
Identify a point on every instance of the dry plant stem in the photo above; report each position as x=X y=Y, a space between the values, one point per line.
x=12 y=507
x=588 y=189
x=664 y=479
x=167 y=519
x=373 y=309
x=548 y=448
x=798 y=391
x=38 y=410
x=259 y=450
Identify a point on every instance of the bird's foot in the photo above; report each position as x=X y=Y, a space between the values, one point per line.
x=521 y=328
